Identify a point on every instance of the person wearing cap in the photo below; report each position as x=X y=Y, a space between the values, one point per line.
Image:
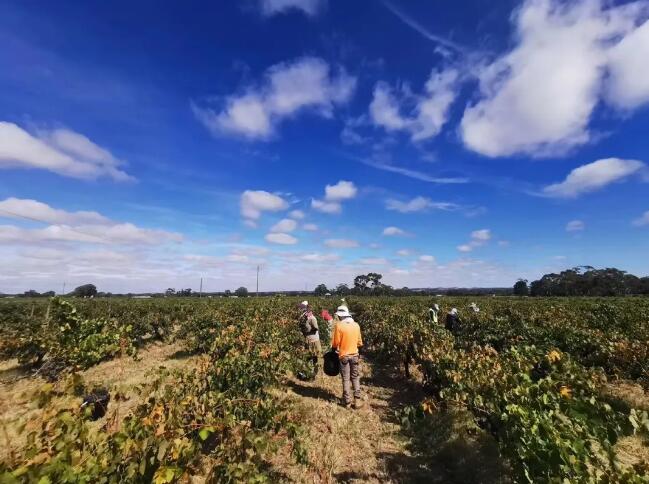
x=474 y=307
x=346 y=341
x=453 y=321
x=310 y=331
x=433 y=312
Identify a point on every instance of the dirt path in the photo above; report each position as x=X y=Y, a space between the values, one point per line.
x=370 y=445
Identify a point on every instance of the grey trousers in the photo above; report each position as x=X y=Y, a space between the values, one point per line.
x=350 y=371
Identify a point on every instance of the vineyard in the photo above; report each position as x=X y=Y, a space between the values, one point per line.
x=555 y=386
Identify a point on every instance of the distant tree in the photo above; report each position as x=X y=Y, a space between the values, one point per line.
x=170 y=292
x=371 y=284
x=184 y=292
x=227 y=293
x=644 y=285
x=361 y=283
x=48 y=294
x=588 y=281
x=31 y=293
x=521 y=289
x=241 y=292
x=87 y=290
x=343 y=290
x=374 y=279
x=321 y=290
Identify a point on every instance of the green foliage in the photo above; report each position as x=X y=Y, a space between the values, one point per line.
x=542 y=405
x=528 y=371
x=220 y=416
x=63 y=339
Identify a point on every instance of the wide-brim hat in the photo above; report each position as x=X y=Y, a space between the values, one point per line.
x=343 y=312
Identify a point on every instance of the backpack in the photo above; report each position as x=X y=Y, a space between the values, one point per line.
x=305 y=325
x=331 y=363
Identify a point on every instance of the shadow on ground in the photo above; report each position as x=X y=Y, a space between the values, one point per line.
x=445 y=447
x=312 y=391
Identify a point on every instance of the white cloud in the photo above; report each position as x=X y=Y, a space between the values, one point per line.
x=426 y=114
x=119 y=233
x=575 y=226
x=340 y=243
x=391 y=231
x=427 y=258
x=309 y=7
x=288 y=89
x=334 y=195
x=478 y=239
x=39 y=211
x=404 y=252
x=310 y=227
x=628 y=80
x=343 y=190
x=282 y=239
x=481 y=235
x=373 y=261
x=384 y=109
x=317 y=257
x=326 y=207
x=593 y=176
x=83 y=226
x=538 y=98
x=297 y=214
x=418 y=204
x=60 y=151
x=642 y=220
x=383 y=165
x=254 y=202
x=284 y=225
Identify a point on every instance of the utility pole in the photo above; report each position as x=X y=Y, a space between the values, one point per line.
x=63 y=292
x=257 y=281
x=200 y=291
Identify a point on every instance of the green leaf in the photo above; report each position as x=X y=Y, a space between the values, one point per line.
x=205 y=432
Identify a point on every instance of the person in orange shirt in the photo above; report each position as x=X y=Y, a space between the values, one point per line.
x=346 y=340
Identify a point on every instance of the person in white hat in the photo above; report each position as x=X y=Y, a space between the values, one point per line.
x=474 y=307
x=453 y=321
x=309 y=327
x=346 y=341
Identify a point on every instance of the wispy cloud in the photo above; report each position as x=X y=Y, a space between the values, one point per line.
x=594 y=176
x=478 y=239
x=413 y=24
x=308 y=83
x=417 y=175
x=61 y=151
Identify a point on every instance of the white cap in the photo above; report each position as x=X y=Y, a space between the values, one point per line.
x=454 y=311
x=304 y=303
x=343 y=312
x=436 y=307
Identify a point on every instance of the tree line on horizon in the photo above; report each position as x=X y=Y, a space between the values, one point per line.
x=584 y=281
x=577 y=281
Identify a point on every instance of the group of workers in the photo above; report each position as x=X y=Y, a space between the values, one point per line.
x=346 y=340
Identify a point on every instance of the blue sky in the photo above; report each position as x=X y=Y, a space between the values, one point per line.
x=147 y=145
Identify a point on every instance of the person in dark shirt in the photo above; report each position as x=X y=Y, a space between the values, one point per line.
x=453 y=321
